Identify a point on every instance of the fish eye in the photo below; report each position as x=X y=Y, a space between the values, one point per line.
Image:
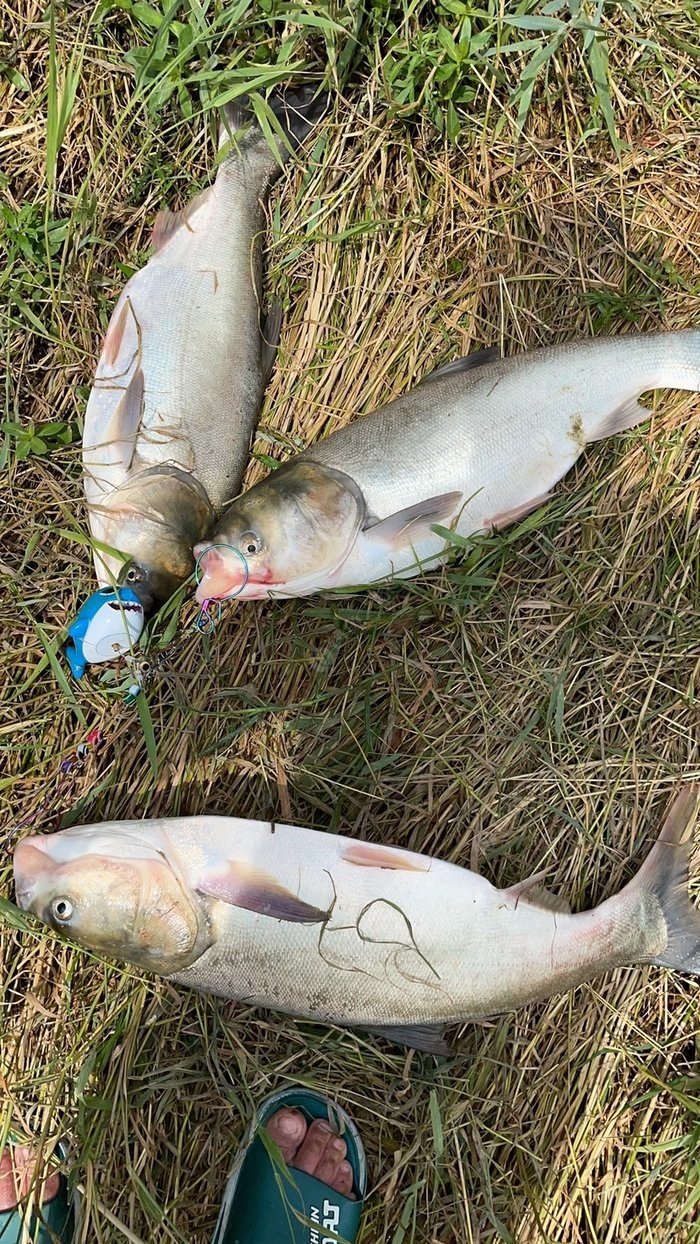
x=133 y=575
x=250 y=543
x=61 y=910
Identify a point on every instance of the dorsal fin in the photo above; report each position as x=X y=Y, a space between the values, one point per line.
x=540 y=896
x=427 y=1037
x=271 y=328
x=478 y=359
x=532 y=891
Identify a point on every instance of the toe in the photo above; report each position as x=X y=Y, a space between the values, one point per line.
x=287 y=1128
x=342 y=1181
x=313 y=1148
x=334 y=1154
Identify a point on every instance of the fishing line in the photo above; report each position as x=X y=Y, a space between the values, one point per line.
x=63 y=784
x=143 y=672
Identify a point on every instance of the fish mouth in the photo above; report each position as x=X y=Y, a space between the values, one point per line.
x=31 y=863
x=126 y=605
x=251 y=591
x=223 y=578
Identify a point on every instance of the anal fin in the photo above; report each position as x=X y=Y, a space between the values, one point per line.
x=624 y=417
x=427 y=1037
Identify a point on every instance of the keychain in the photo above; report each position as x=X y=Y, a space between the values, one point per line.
x=110 y=624
x=107 y=626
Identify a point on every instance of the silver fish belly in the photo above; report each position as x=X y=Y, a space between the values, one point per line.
x=505 y=432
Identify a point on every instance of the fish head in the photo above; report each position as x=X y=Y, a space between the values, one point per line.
x=112 y=893
x=153 y=583
x=155 y=518
x=288 y=535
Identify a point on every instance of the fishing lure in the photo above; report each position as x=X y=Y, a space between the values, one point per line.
x=107 y=626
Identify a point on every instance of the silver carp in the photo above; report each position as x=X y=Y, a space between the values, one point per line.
x=183 y=368
x=343 y=931
x=475 y=446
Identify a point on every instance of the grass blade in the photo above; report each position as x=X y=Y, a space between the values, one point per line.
x=146 y=720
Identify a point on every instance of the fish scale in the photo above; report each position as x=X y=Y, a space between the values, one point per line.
x=506 y=431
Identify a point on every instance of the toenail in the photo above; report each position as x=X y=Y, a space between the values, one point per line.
x=338 y=1145
x=323 y=1125
x=288 y=1124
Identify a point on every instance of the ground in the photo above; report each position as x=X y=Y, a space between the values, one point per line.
x=532 y=706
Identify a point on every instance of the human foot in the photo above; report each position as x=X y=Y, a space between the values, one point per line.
x=322 y=1193
x=313 y=1148
x=17 y=1178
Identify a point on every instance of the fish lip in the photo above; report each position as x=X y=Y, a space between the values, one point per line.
x=24 y=896
x=25 y=890
x=239 y=581
x=252 y=590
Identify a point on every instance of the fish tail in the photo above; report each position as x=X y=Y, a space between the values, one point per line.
x=664 y=877
x=296 y=111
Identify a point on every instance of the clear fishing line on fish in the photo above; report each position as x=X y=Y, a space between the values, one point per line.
x=206 y=622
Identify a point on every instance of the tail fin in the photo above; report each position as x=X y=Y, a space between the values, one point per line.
x=664 y=874
x=296 y=112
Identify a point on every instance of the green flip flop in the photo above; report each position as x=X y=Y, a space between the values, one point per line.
x=267 y=1202
x=53 y=1223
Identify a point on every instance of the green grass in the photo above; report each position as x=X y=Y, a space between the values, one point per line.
x=529 y=707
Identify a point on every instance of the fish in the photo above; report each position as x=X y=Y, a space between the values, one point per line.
x=475 y=446
x=347 y=932
x=184 y=364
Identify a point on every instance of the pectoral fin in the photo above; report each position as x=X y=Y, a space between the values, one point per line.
x=416 y=521
x=123 y=427
x=241 y=886
x=115 y=334
x=427 y=1037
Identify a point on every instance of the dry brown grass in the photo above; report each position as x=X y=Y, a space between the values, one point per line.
x=532 y=707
